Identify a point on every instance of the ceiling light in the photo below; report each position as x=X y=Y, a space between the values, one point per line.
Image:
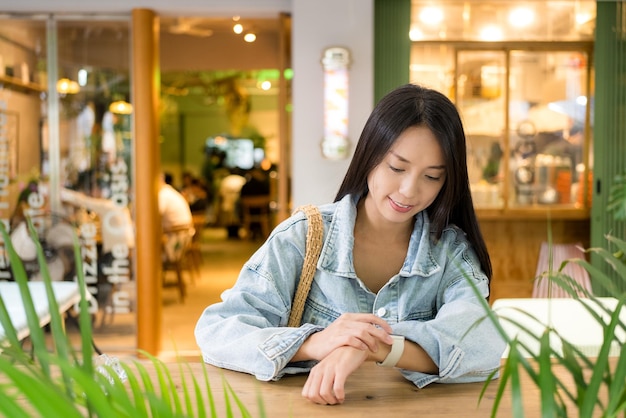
x=583 y=17
x=491 y=34
x=431 y=15
x=265 y=85
x=249 y=37
x=238 y=28
x=67 y=86
x=82 y=77
x=415 y=34
x=521 y=17
x=121 y=107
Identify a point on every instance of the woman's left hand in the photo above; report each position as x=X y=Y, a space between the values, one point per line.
x=326 y=381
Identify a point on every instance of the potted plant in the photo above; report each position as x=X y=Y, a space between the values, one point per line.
x=63 y=382
x=594 y=385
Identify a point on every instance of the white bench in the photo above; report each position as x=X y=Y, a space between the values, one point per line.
x=566 y=315
x=67 y=294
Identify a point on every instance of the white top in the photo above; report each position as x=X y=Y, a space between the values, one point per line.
x=174 y=208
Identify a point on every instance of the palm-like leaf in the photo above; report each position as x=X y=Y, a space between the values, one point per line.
x=617 y=197
x=591 y=376
x=60 y=382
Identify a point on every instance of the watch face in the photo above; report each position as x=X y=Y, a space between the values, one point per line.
x=524 y=175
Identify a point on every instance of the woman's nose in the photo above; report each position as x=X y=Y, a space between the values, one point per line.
x=409 y=187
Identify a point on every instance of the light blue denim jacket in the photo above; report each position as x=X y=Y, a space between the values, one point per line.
x=430 y=302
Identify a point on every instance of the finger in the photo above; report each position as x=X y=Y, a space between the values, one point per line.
x=326 y=391
x=382 y=335
x=372 y=319
x=310 y=388
x=339 y=389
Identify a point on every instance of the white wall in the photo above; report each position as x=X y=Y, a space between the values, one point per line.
x=317 y=24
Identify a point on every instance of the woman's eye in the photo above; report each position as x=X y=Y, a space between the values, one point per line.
x=395 y=169
x=434 y=178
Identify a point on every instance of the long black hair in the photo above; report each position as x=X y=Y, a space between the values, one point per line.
x=413 y=105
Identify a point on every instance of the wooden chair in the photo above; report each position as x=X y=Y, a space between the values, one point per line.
x=194 y=253
x=176 y=243
x=255 y=209
x=542 y=287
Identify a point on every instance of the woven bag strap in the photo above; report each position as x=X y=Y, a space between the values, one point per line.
x=314 y=238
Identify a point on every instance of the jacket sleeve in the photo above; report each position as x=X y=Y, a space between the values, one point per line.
x=461 y=339
x=247 y=330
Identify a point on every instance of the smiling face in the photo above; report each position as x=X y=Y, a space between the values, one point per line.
x=409 y=177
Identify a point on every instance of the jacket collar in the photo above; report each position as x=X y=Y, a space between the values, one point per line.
x=336 y=255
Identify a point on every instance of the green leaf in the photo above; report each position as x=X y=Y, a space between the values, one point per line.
x=602 y=364
x=84 y=317
x=587 y=382
x=44 y=397
x=209 y=392
x=19 y=274
x=10 y=333
x=617 y=390
x=547 y=384
x=242 y=408
x=10 y=408
x=136 y=390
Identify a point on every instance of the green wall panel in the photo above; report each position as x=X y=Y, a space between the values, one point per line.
x=609 y=122
x=392 y=46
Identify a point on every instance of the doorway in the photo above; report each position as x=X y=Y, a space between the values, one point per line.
x=219 y=91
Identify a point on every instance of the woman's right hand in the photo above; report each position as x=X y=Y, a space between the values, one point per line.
x=358 y=330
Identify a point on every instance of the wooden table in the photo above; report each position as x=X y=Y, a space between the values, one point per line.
x=372 y=392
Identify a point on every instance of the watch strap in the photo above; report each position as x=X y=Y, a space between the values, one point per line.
x=397 y=348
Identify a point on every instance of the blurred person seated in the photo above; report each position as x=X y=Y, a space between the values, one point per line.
x=229 y=191
x=55 y=235
x=178 y=230
x=173 y=207
x=195 y=193
x=257 y=185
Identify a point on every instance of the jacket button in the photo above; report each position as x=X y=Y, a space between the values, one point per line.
x=381 y=312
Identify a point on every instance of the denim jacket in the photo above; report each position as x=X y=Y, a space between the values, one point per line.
x=429 y=302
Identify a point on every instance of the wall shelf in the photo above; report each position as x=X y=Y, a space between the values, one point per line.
x=17 y=84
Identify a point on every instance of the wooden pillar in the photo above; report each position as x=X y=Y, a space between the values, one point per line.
x=284 y=118
x=145 y=97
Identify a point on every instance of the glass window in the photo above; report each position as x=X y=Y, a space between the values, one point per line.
x=480 y=97
x=494 y=21
x=65 y=94
x=547 y=114
x=525 y=115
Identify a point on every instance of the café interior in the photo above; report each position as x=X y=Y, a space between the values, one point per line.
x=521 y=74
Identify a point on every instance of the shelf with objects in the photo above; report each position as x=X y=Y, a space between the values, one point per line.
x=527 y=112
x=15 y=83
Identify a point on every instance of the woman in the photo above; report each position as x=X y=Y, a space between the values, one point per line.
x=401 y=245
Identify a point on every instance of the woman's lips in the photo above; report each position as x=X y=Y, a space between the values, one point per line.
x=399 y=207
